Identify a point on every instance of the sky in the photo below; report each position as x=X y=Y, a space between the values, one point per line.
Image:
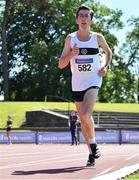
x=130 y=8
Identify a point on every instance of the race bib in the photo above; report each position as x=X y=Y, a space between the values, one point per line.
x=84 y=64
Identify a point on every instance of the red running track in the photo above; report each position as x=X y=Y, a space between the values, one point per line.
x=62 y=161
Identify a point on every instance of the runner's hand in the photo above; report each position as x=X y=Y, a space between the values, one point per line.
x=102 y=72
x=75 y=50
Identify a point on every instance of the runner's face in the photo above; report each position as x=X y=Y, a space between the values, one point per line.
x=84 y=18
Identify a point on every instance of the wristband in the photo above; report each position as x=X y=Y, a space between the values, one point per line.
x=107 y=67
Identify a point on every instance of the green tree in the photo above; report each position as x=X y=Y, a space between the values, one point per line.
x=37 y=24
x=130 y=51
x=4 y=23
x=119 y=84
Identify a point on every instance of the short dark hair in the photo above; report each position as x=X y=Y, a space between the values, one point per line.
x=85 y=8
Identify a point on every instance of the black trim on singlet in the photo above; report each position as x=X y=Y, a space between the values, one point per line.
x=88 y=51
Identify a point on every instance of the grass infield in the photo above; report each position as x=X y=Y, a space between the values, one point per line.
x=133 y=176
x=17 y=110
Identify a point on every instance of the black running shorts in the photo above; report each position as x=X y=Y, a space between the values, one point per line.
x=79 y=95
x=8 y=129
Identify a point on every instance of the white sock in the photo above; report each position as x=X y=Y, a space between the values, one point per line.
x=90 y=151
x=92 y=140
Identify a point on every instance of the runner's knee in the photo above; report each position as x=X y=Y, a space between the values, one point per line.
x=85 y=118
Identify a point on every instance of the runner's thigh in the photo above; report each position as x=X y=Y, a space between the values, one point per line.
x=89 y=100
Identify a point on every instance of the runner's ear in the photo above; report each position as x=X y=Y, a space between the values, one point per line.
x=92 y=22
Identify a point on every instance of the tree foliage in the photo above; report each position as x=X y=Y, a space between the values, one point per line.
x=130 y=51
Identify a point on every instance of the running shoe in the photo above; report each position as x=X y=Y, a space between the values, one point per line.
x=91 y=160
x=95 y=151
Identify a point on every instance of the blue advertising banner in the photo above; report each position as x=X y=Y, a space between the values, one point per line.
x=19 y=137
x=54 y=137
x=130 y=136
x=104 y=137
x=111 y=136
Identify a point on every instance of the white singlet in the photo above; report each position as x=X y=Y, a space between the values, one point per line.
x=85 y=66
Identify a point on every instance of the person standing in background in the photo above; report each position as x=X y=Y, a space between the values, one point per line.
x=73 y=125
x=8 y=129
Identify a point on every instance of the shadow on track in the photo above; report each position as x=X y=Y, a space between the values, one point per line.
x=50 y=171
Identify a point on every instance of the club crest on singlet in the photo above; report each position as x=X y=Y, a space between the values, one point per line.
x=84 y=51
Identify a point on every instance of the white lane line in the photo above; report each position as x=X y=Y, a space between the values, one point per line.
x=21 y=154
x=27 y=154
x=40 y=162
x=40 y=154
x=118 y=173
x=32 y=179
x=46 y=161
x=105 y=171
x=114 y=156
x=34 y=155
x=131 y=157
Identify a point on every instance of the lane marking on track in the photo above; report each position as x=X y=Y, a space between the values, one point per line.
x=38 y=163
x=118 y=173
x=131 y=157
x=28 y=179
x=105 y=171
x=34 y=155
x=26 y=153
x=45 y=161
